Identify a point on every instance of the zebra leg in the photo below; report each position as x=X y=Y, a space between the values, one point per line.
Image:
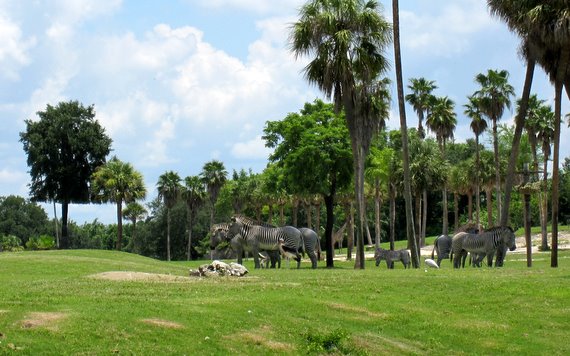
x=255 y=252
x=313 y=257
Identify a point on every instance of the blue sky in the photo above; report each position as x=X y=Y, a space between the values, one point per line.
x=179 y=83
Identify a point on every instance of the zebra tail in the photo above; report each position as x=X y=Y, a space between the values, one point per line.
x=432 y=252
x=318 y=248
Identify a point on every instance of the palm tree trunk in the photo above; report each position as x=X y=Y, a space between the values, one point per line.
x=64 y=243
x=456 y=210
x=377 y=215
x=295 y=211
x=519 y=124
x=424 y=217
x=489 y=197
x=318 y=217
x=329 y=205
x=497 y=168
x=392 y=216
x=544 y=204
x=555 y=170
x=119 y=224
x=445 y=218
x=470 y=205
x=418 y=219
x=477 y=184
x=281 y=214
x=135 y=242
x=189 y=249
x=404 y=131
x=350 y=238
x=56 y=225
x=309 y=215
x=168 y=234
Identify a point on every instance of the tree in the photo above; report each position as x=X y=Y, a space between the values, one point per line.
x=214 y=176
x=377 y=172
x=168 y=191
x=420 y=99
x=21 y=218
x=478 y=126
x=544 y=126
x=117 y=182
x=404 y=130
x=64 y=148
x=442 y=121
x=347 y=39
x=312 y=149
x=494 y=95
x=134 y=212
x=194 y=195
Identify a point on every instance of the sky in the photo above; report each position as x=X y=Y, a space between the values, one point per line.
x=177 y=83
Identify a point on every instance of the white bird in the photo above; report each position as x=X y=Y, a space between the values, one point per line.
x=431 y=263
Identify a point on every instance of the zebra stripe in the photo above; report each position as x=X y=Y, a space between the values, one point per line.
x=485 y=243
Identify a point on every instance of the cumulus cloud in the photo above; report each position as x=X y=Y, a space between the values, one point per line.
x=14 y=48
x=252 y=149
x=255 y=6
x=12 y=179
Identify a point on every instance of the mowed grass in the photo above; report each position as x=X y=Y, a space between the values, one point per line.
x=51 y=305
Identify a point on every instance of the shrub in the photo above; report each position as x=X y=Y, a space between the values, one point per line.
x=10 y=243
x=42 y=242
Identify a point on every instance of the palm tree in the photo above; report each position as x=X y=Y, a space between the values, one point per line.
x=478 y=126
x=545 y=33
x=168 y=191
x=213 y=175
x=494 y=95
x=117 y=182
x=377 y=172
x=442 y=121
x=404 y=130
x=347 y=39
x=134 y=212
x=194 y=195
x=544 y=127
x=420 y=99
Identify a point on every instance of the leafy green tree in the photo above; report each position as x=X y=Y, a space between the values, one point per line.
x=346 y=40
x=442 y=120
x=135 y=212
x=420 y=99
x=494 y=95
x=194 y=195
x=21 y=218
x=168 y=191
x=313 y=149
x=214 y=176
x=64 y=148
x=478 y=126
x=117 y=182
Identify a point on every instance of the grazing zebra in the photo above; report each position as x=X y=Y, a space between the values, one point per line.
x=259 y=237
x=441 y=246
x=485 y=243
x=391 y=256
x=311 y=243
x=238 y=246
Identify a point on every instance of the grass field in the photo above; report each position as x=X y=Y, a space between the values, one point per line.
x=50 y=304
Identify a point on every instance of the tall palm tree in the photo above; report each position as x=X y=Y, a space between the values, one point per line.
x=347 y=40
x=377 y=172
x=194 y=195
x=168 y=191
x=404 y=130
x=420 y=98
x=134 y=212
x=442 y=120
x=213 y=175
x=544 y=127
x=495 y=94
x=545 y=33
x=117 y=182
x=478 y=126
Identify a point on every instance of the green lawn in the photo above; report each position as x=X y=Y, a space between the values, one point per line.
x=49 y=305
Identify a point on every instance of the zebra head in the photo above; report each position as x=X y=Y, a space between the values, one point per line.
x=235 y=228
x=217 y=236
x=509 y=238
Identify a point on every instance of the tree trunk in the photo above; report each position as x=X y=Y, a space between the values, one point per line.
x=477 y=185
x=445 y=218
x=555 y=171
x=418 y=219
x=392 y=217
x=189 y=249
x=404 y=130
x=64 y=243
x=519 y=124
x=470 y=205
x=489 y=197
x=56 y=225
x=497 y=168
x=318 y=217
x=270 y=217
x=168 y=234
x=135 y=242
x=308 y=211
x=350 y=237
x=377 y=215
x=295 y=212
x=281 y=214
x=424 y=218
x=211 y=213
x=544 y=204
x=456 y=210
x=119 y=225
x=329 y=205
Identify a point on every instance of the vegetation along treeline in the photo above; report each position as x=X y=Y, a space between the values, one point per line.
x=335 y=162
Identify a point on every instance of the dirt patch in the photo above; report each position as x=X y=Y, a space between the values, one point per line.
x=43 y=320
x=261 y=336
x=139 y=276
x=357 y=310
x=163 y=323
x=387 y=345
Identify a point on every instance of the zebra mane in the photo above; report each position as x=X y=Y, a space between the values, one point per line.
x=249 y=221
x=220 y=226
x=498 y=228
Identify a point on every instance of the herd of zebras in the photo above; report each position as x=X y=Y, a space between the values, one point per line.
x=267 y=244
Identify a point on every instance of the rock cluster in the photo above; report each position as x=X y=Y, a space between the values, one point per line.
x=219 y=268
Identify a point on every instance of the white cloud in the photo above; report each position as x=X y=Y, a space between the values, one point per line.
x=252 y=149
x=13 y=182
x=14 y=49
x=255 y=6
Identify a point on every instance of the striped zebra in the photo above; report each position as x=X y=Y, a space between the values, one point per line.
x=265 y=238
x=441 y=246
x=485 y=243
x=220 y=233
x=391 y=256
x=311 y=244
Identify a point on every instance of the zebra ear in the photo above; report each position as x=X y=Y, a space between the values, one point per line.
x=233 y=219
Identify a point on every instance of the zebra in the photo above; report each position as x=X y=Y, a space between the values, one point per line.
x=311 y=244
x=259 y=237
x=441 y=246
x=485 y=243
x=391 y=256
x=238 y=246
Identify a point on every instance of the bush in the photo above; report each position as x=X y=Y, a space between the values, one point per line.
x=42 y=242
x=10 y=243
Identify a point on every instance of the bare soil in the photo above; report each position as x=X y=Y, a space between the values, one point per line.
x=43 y=320
x=139 y=276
